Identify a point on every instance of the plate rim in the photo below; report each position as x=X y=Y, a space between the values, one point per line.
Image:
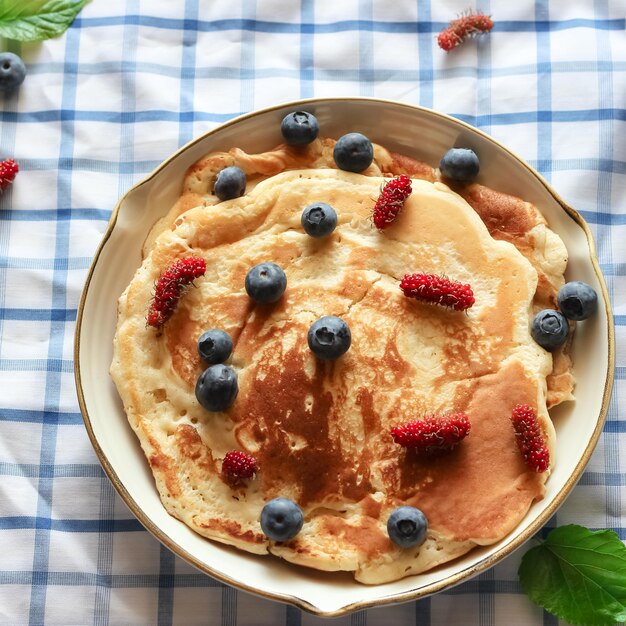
x=403 y=596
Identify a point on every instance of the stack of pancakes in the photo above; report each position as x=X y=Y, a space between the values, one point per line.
x=320 y=431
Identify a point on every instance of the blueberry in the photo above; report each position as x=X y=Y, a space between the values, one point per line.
x=549 y=329
x=329 y=337
x=459 y=164
x=217 y=387
x=281 y=519
x=230 y=183
x=215 y=346
x=353 y=152
x=266 y=282
x=319 y=220
x=407 y=526
x=12 y=71
x=577 y=300
x=299 y=128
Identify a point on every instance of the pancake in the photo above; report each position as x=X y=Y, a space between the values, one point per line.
x=506 y=217
x=320 y=430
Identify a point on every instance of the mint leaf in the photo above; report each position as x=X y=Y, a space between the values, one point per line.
x=578 y=575
x=34 y=20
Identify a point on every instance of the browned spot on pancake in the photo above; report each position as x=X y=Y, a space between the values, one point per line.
x=284 y=253
x=299 y=450
x=230 y=528
x=501 y=213
x=482 y=488
x=392 y=362
x=371 y=507
x=236 y=308
x=366 y=537
x=561 y=381
x=214 y=161
x=165 y=466
x=559 y=386
x=159 y=460
x=371 y=419
x=238 y=269
x=353 y=285
x=468 y=355
x=545 y=298
x=217 y=228
x=163 y=258
x=401 y=164
x=360 y=257
x=193 y=448
x=279 y=159
x=188 y=201
x=302 y=154
x=497 y=323
x=247 y=342
x=181 y=339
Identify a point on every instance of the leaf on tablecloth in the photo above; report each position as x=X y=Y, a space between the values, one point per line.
x=34 y=20
x=578 y=575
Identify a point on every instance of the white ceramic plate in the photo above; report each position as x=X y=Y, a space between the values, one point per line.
x=416 y=132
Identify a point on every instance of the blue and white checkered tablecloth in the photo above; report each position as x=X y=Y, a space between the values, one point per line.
x=129 y=83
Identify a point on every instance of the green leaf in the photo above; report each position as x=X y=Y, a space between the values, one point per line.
x=578 y=575
x=34 y=20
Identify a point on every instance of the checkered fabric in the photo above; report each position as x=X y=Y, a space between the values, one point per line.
x=129 y=83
